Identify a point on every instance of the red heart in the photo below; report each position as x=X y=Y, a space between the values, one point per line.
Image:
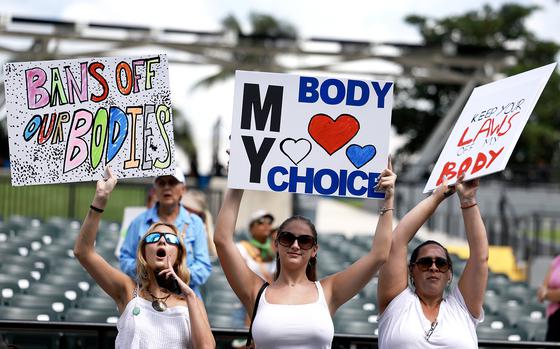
x=331 y=134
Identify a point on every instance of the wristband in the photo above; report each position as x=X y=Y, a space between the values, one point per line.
x=96 y=209
x=384 y=209
x=469 y=206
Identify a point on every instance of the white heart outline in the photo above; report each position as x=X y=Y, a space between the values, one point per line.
x=294 y=153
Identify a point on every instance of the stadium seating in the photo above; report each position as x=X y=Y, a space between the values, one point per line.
x=39 y=277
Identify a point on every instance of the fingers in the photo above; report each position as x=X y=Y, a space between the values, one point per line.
x=390 y=164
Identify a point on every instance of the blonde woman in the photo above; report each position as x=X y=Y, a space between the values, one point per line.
x=161 y=310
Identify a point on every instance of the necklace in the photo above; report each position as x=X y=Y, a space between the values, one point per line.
x=431 y=330
x=159 y=302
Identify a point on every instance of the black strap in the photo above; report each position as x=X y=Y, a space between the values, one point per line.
x=250 y=334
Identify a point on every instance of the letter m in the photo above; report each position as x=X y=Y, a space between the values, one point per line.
x=252 y=104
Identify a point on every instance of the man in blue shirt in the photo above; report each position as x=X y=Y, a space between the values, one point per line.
x=168 y=208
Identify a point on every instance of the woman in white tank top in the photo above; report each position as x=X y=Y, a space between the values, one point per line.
x=424 y=315
x=161 y=311
x=296 y=311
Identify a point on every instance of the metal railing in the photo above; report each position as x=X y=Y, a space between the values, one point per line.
x=70 y=335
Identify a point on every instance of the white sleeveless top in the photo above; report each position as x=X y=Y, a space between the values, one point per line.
x=153 y=329
x=404 y=325
x=291 y=326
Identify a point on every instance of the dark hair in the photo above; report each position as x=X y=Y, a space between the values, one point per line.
x=311 y=269
x=414 y=255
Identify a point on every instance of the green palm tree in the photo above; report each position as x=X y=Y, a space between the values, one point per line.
x=251 y=52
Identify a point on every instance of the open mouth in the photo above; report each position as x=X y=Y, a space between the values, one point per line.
x=161 y=252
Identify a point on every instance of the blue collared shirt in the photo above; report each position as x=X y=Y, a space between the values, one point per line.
x=196 y=243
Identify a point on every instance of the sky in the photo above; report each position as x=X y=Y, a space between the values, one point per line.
x=351 y=20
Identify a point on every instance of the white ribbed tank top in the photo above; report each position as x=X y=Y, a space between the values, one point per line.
x=291 y=326
x=151 y=329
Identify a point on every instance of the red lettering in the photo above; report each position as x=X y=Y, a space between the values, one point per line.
x=462 y=141
x=97 y=76
x=464 y=166
x=493 y=156
x=447 y=171
x=45 y=135
x=486 y=128
x=501 y=133
x=479 y=163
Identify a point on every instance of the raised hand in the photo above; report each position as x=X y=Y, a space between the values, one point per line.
x=444 y=190
x=170 y=273
x=104 y=188
x=387 y=179
x=467 y=190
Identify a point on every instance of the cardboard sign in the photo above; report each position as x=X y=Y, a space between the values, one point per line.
x=489 y=127
x=312 y=135
x=69 y=119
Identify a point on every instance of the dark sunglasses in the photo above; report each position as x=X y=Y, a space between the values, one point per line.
x=155 y=236
x=305 y=242
x=425 y=263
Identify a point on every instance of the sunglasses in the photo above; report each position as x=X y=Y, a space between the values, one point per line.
x=305 y=242
x=155 y=236
x=263 y=221
x=425 y=263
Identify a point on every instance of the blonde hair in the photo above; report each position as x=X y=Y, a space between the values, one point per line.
x=145 y=275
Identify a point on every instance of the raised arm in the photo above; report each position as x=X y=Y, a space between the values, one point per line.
x=242 y=280
x=393 y=276
x=113 y=281
x=346 y=284
x=472 y=283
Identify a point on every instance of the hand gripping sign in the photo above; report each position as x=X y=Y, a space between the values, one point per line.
x=489 y=127
x=68 y=119
x=306 y=134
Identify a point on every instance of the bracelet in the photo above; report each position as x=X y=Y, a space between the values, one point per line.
x=96 y=209
x=465 y=207
x=384 y=209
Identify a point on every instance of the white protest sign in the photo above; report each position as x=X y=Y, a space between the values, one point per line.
x=306 y=134
x=489 y=127
x=69 y=119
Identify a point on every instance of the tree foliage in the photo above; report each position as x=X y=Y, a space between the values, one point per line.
x=265 y=32
x=481 y=34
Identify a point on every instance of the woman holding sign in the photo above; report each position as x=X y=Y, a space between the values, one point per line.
x=420 y=315
x=295 y=310
x=161 y=310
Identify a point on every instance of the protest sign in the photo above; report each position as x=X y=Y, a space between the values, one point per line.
x=306 y=134
x=69 y=119
x=489 y=127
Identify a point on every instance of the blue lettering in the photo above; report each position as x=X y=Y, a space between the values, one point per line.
x=307 y=179
x=272 y=184
x=340 y=91
x=336 y=182
x=32 y=127
x=372 y=182
x=343 y=182
x=352 y=85
x=308 y=89
x=118 y=122
x=381 y=92
x=318 y=181
x=352 y=178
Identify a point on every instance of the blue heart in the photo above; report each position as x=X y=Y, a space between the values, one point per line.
x=359 y=156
